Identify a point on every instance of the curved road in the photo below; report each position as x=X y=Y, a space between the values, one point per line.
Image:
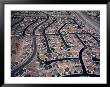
x=46 y=40
x=13 y=72
x=62 y=37
x=33 y=54
x=17 y=23
x=83 y=67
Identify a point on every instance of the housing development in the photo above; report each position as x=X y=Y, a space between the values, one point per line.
x=55 y=43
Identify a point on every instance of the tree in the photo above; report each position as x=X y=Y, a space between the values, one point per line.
x=38 y=55
x=58 y=75
x=53 y=49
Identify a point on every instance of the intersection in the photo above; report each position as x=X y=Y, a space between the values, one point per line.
x=55 y=44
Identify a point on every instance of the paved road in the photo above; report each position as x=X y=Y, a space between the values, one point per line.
x=24 y=30
x=33 y=54
x=46 y=40
x=76 y=23
x=94 y=37
x=17 y=23
x=49 y=62
x=62 y=37
x=81 y=40
x=83 y=66
x=81 y=61
x=81 y=75
x=92 y=20
x=87 y=33
x=89 y=21
x=34 y=50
